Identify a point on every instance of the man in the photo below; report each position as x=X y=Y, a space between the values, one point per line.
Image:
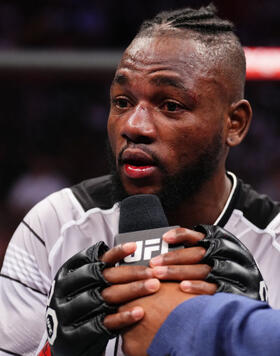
x=177 y=107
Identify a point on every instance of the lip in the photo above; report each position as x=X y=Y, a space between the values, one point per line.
x=137 y=164
x=136 y=155
x=138 y=172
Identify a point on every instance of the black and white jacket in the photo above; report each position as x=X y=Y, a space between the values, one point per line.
x=75 y=218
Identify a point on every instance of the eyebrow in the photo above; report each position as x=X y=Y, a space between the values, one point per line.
x=120 y=79
x=168 y=81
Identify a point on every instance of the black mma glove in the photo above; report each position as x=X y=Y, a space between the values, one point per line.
x=234 y=269
x=76 y=308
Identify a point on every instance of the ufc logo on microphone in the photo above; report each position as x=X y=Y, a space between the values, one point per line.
x=147 y=249
x=149 y=243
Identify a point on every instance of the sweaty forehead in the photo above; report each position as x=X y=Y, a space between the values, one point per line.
x=153 y=53
x=170 y=60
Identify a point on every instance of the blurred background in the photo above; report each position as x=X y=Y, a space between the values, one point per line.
x=57 y=59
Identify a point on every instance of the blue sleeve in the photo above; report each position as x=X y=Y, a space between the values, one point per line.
x=219 y=325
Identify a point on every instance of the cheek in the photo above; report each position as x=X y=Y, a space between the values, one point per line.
x=186 y=147
x=183 y=143
x=179 y=153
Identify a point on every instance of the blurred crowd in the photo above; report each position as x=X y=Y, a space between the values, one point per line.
x=53 y=127
x=96 y=23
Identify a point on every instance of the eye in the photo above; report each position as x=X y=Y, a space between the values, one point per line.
x=171 y=106
x=121 y=103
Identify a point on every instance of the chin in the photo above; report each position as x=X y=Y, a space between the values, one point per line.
x=140 y=189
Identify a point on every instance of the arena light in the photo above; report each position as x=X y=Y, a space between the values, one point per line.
x=263 y=63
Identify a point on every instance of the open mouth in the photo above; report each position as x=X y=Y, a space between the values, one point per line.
x=137 y=163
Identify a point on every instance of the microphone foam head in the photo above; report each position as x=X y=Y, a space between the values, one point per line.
x=141 y=212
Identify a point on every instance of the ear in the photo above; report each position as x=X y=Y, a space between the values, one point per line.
x=239 y=120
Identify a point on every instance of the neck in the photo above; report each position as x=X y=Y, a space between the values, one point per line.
x=206 y=206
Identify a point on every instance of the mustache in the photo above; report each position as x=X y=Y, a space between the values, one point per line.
x=144 y=148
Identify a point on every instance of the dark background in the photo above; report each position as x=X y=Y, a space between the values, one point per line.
x=53 y=123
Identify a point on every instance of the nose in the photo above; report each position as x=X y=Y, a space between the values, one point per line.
x=139 y=126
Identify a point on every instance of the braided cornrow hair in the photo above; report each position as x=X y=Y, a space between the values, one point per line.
x=203 y=24
x=203 y=20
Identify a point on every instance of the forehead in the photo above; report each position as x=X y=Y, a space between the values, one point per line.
x=176 y=61
x=163 y=49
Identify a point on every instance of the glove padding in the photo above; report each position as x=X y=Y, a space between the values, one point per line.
x=76 y=308
x=234 y=269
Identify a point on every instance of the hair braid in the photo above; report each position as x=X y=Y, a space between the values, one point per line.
x=203 y=20
x=220 y=44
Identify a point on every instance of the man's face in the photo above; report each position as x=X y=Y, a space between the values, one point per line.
x=167 y=116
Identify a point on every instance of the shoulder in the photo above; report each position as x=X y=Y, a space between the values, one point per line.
x=67 y=221
x=95 y=192
x=70 y=203
x=258 y=208
x=67 y=205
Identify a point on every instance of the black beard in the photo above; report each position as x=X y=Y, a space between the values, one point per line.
x=179 y=187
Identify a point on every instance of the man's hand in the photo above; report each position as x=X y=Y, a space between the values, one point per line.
x=129 y=282
x=157 y=307
x=76 y=306
x=184 y=265
x=132 y=282
x=231 y=266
